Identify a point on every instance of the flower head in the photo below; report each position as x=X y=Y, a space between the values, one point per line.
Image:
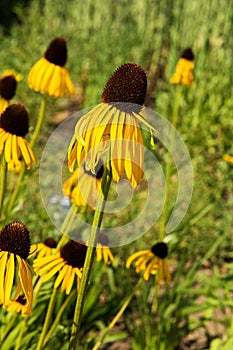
x=102 y=249
x=68 y=261
x=184 y=69
x=14 y=125
x=84 y=186
x=114 y=125
x=152 y=261
x=46 y=248
x=8 y=83
x=14 y=250
x=18 y=304
x=49 y=74
x=228 y=158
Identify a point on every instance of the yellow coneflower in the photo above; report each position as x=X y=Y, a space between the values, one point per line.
x=152 y=261
x=68 y=261
x=102 y=249
x=228 y=158
x=18 y=305
x=8 y=83
x=14 y=125
x=14 y=250
x=46 y=248
x=114 y=124
x=184 y=69
x=83 y=186
x=49 y=74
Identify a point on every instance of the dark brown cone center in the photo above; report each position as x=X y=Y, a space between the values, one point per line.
x=74 y=253
x=15 y=120
x=188 y=54
x=126 y=88
x=103 y=238
x=22 y=300
x=99 y=170
x=160 y=249
x=56 y=53
x=14 y=238
x=50 y=242
x=8 y=87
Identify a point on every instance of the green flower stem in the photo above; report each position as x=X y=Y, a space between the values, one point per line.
x=169 y=162
x=47 y=321
x=21 y=333
x=106 y=181
x=39 y=120
x=66 y=226
x=154 y=306
x=15 y=194
x=57 y=319
x=10 y=325
x=117 y=316
x=3 y=178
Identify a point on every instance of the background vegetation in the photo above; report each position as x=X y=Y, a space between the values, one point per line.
x=195 y=311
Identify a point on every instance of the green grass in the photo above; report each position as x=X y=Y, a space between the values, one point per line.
x=102 y=36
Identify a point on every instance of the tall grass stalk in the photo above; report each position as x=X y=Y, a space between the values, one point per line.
x=99 y=212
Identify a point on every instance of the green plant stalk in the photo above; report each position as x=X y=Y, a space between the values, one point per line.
x=156 y=295
x=169 y=163
x=10 y=324
x=21 y=333
x=57 y=319
x=106 y=181
x=118 y=315
x=66 y=226
x=39 y=120
x=3 y=179
x=47 y=321
x=15 y=194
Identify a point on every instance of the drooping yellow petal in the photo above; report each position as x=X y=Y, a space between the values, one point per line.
x=45 y=76
x=135 y=256
x=78 y=272
x=31 y=154
x=3 y=136
x=225 y=157
x=167 y=273
x=8 y=145
x=160 y=271
x=28 y=290
x=66 y=278
x=3 y=104
x=15 y=150
x=52 y=272
x=3 y=260
x=141 y=262
x=36 y=74
x=9 y=278
x=26 y=283
x=70 y=281
x=24 y=150
x=142 y=120
x=151 y=266
x=69 y=85
x=98 y=253
x=46 y=267
x=60 y=276
x=54 y=87
x=108 y=257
